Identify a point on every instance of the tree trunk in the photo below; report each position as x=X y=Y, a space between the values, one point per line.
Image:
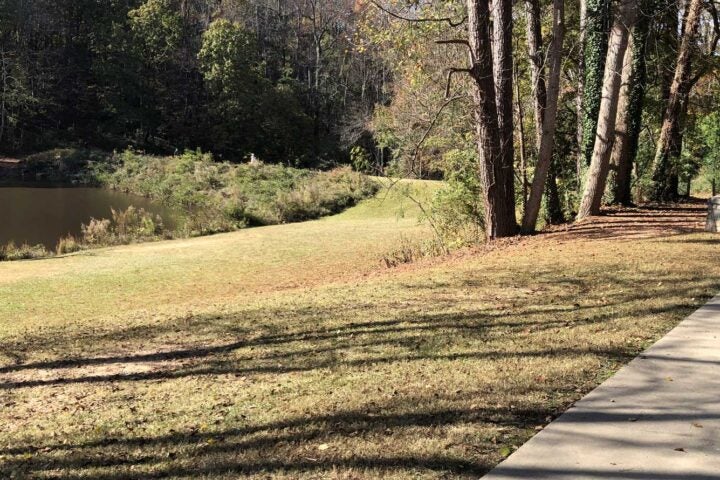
x=521 y=139
x=619 y=158
x=548 y=120
x=537 y=64
x=599 y=165
x=554 y=209
x=580 y=93
x=665 y=177
x=638 y=83
x=502 y=24
x=595 y=46
x=3 y=94
x=499 y=201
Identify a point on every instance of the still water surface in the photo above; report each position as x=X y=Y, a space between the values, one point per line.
x=43 y=215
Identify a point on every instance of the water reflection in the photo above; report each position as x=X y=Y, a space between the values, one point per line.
x=43 y=215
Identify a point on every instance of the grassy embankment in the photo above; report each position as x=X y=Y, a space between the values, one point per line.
x=287 y=352
x=207 y=196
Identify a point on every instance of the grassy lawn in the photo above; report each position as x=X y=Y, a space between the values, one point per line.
x=289 y=352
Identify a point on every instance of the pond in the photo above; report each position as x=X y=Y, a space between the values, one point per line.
x=42 y=215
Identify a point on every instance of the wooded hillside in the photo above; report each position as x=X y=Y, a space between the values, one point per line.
x=535 y=112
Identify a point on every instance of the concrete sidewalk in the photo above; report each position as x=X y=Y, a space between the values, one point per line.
x=658 y=418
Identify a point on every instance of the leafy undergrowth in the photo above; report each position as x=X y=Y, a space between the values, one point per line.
x=240 y=358
x=219 y=197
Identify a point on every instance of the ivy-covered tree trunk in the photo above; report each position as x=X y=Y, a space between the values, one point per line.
x=597 y=21
x=665 y=178
x=623 y=19
x=580 y=92
x=495 y=173
x=622 y=193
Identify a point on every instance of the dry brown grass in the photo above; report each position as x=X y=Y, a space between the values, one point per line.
x=432 y=370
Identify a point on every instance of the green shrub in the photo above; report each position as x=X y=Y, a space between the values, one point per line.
x=216 y=197
x=67 y=165
x=361 y=160
x=208 y=196
x=457 y=212
x=323 y=194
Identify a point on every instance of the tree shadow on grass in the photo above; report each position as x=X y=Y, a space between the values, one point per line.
x=260 y=449
x=647 y=221
x=253 y=331
x=263 y=342
x=315 y=349
x=290 y=446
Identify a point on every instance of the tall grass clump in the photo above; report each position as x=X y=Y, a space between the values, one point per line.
x=125 y=226
x=11 y=251
x=68 y=244
x=411 y=250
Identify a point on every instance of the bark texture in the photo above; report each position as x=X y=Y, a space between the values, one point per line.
x=496 y=173
x=547 y=120
x=580 y=92
x=622 y=193
x=503 y=73
x=619 y=158
x=624 y=18
x=665 y=178
x=537 y=64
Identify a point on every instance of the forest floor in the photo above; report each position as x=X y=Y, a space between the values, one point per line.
x=291 y=352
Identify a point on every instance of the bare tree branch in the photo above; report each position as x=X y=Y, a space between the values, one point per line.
x=426 y=133
x=451 y=72
x=450 y=21
x=713 y=44
x=458 y=41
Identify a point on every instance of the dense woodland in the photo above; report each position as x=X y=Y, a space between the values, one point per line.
x=279 y=79
x=531 y=110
